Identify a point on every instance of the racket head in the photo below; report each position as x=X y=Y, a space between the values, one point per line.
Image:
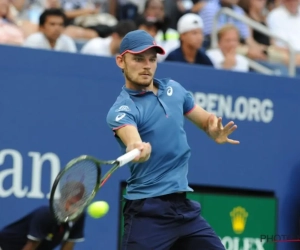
x=74 y=188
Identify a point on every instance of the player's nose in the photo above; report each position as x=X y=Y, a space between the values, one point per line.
x=147 y=64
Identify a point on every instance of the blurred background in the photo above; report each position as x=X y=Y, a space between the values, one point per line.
x=264 y=32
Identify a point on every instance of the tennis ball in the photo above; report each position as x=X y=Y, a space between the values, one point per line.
x=98 y=209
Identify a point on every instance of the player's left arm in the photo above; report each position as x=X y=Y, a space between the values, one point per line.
x=208 y=122
x=199 y=117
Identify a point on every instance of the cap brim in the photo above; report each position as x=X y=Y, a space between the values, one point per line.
x=142 y=49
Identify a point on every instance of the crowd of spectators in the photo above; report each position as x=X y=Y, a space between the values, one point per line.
x=182 y=27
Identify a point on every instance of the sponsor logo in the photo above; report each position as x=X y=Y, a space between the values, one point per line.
x=236 y=108
x=120 y=116
x=169 y=91
x=123 y=108
x=238 y=219
x=16 y=187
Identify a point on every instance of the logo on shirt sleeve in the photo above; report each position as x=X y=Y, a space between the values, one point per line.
x=120 y=117
x=169 y=91
x=123 y=108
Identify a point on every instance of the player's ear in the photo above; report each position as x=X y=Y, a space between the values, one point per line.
x=120 y=61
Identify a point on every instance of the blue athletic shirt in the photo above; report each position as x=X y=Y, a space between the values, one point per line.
x=40 y=225
x=160 y=121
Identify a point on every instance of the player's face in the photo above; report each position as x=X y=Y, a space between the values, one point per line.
x=53 y=27
x=139 y=69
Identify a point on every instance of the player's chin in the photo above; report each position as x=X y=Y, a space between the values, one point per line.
x=145 y=82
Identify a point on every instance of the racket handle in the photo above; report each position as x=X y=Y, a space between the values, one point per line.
x=124 y=159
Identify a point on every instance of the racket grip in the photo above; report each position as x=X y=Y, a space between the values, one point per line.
x=124 y=159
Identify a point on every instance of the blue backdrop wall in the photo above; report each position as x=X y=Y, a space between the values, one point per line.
x=53 y=107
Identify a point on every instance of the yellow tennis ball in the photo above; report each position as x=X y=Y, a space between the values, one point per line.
x=98 y=209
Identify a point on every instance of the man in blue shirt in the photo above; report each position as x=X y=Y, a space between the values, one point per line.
x=149 y=115
x=190 y=27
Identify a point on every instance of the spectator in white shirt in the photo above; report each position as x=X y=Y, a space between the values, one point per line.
x=284 y=21
x=51 y=25
x=225 y=56
x=109 y=46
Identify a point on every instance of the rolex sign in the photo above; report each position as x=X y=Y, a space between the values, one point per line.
x=240 y=220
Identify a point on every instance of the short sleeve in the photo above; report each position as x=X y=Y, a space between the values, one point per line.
x=121 y=115
x=77 y=231
x=40 y=223
x=189 y=102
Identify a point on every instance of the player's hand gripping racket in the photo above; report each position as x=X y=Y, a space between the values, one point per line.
x=77 y=184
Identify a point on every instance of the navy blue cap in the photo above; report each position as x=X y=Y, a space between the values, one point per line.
x=138 y=41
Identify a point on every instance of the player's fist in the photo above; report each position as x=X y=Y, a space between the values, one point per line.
x=145 y=149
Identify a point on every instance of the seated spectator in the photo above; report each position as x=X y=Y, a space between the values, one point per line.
x=225 y=56
x=19 y=15
x=155 y=9
x=50 y=37
x=284 y=21
x=149 y=24
x=152 y=26
x=10 y=33
x=128 y=9
x=84 y=19
x=109 y=46
x=256 y=10
x=208 y=12
x=190 y=28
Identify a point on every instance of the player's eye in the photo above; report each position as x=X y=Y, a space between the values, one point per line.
x=138 y=59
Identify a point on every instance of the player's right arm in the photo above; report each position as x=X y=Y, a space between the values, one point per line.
x=122 y=119
x=131 y=138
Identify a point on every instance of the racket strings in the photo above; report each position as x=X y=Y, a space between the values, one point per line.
x=75 y=189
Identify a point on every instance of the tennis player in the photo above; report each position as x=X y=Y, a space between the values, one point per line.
x=39 y=230
x=149 y=115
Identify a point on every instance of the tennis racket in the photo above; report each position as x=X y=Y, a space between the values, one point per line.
x=77 y=184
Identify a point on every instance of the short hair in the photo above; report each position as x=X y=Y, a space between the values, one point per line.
x=123 y=27
x=226 y=28
x=52 y=12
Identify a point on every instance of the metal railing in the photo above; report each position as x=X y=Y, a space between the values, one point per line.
x=261 y=28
